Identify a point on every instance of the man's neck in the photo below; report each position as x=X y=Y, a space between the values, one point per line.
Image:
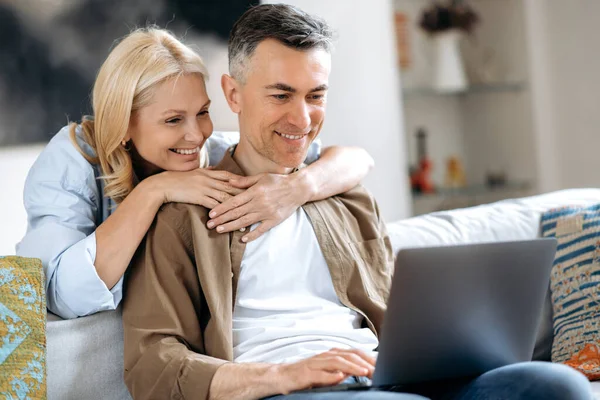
x=254 y=163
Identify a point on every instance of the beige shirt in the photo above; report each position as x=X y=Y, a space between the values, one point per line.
x=178 y=308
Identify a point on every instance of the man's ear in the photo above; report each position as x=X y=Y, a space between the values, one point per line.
x=231 y=90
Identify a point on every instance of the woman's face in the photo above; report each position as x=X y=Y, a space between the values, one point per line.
x=168 y=133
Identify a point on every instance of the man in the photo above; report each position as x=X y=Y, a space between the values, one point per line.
x=208 y=317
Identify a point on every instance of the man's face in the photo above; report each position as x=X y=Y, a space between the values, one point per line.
x=282 y=102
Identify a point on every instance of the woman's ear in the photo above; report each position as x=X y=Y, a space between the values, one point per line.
x=231 y=90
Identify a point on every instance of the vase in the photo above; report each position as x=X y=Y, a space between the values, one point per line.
x=449 y=68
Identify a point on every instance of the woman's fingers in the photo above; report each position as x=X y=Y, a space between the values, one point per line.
x=237 y=201
x=209 y=202
x=242 y=222
x=218 y=195
x=244 y=182
x=229 y=216
x=225 y=176
x=226 y=187
x=260 y=230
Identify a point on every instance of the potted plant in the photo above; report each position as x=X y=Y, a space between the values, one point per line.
x=447 y=22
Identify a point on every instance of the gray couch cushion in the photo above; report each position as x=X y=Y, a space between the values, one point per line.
x=85 y=357
x=545 y=335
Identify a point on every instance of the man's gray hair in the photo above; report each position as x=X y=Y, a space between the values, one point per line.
x=287 y=24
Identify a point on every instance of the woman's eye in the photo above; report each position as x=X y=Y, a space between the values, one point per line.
x=173 y=121
x=201 y=113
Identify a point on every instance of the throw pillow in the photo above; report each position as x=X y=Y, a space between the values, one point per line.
x=575 y=286
x=22 y=329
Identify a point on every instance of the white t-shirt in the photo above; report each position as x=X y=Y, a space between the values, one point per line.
x=286 y=307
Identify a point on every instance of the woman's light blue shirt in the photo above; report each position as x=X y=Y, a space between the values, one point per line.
x=65 y=202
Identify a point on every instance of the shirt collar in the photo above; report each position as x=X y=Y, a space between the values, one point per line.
x=230 y=165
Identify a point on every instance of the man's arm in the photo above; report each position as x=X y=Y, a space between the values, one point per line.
x=255 y=381
x=162 y=329
x=165 y=355
x=271 y=198
x=164 y=344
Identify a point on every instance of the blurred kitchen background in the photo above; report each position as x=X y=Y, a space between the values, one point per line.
x=459 y=102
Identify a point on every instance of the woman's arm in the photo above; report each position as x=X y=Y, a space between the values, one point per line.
x=84 y=263
x=271 y=198
x=338 y=170
x=119 y=236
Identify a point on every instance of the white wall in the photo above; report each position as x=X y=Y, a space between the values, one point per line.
x=542 y=113
x=569 y=35
x=364 y=105
x=214 y=55
x=499 y=131
x=14 y=165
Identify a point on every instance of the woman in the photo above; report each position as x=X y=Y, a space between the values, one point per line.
x=94 y=191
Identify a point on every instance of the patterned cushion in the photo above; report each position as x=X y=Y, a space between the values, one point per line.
x=575 y=286
x=22 y=329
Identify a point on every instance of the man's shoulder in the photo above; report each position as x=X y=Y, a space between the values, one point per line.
x=183 y=215
x=177 y=211
x=354 y=212
x=358 y=195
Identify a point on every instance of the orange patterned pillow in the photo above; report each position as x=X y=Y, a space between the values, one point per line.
x=587 y=361
x=575 y=287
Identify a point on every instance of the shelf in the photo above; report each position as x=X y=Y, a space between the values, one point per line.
x=475 y=190
x=448 y=199
x=514 y=87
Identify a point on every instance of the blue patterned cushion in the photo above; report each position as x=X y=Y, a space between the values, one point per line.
x=575 y=286
x=22 y=329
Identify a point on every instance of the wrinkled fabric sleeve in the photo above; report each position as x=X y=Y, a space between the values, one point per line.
x=61 y=232
x=218 y=143
x=164 y=345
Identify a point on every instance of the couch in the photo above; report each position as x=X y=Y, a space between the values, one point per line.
x=84 y=356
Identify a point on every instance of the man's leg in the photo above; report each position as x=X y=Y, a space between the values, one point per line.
x=523 y=381
x=531 y=381
x=350 y=395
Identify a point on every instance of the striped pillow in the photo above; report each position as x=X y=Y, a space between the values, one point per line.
x=575 y=287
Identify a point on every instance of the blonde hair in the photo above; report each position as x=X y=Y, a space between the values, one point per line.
x=125 y=83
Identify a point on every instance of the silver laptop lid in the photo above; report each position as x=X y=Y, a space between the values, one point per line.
x=458 y=311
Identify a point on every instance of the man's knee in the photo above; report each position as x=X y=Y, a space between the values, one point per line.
x=571 y=383
x=547 y=380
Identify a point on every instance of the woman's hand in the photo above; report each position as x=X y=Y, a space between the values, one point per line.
x=268 y=199
x=203 y=186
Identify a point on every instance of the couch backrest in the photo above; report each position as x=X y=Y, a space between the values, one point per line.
x=515 y=219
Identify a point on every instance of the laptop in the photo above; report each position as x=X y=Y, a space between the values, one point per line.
x=460 y=311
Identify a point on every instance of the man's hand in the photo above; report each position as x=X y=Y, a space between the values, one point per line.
x=248 y=381
x=268 y=199
x=325 y=369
